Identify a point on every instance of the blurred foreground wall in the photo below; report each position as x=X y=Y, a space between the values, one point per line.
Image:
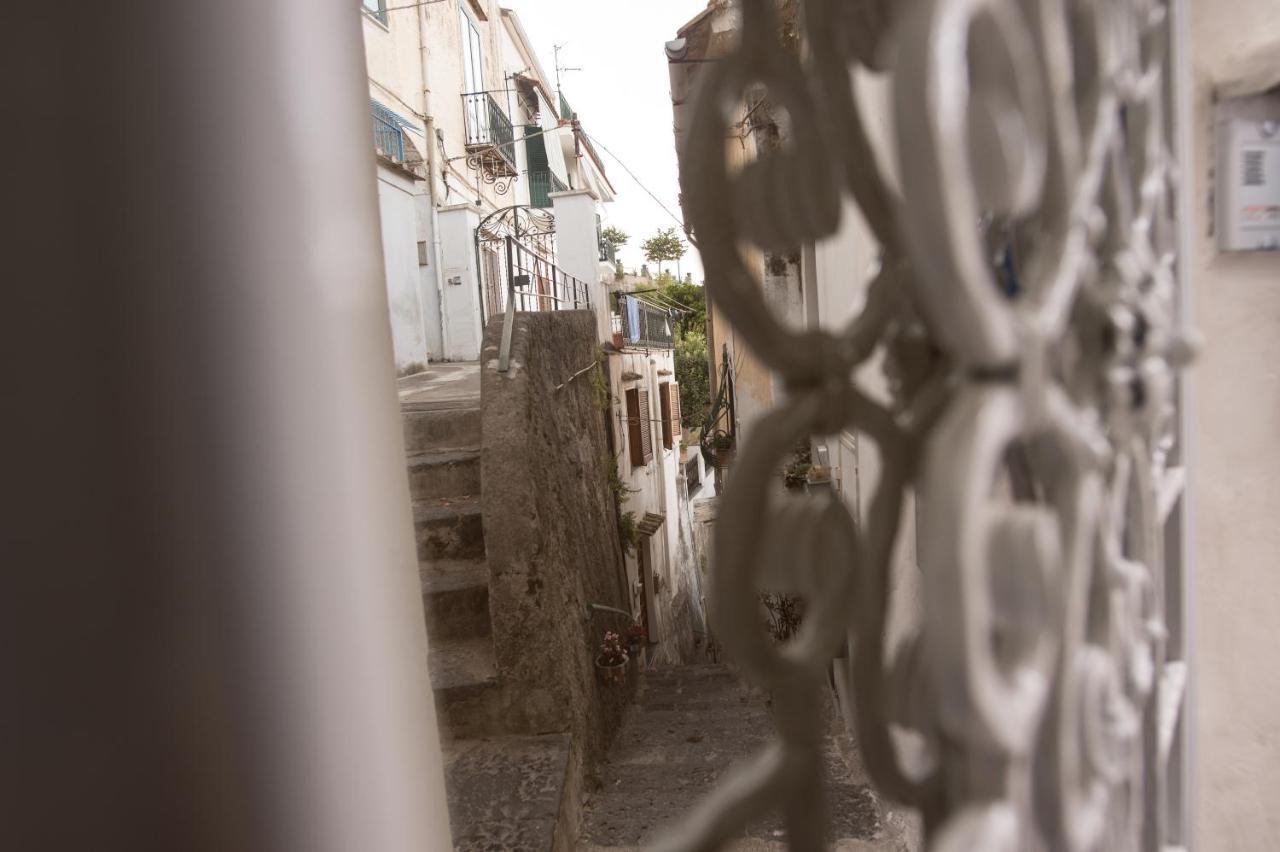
x=213 y=636
x=1236 y=469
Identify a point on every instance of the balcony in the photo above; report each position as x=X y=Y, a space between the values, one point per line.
x=388 y=139
x=643 y=324
x=543 y=182
x=490 y=138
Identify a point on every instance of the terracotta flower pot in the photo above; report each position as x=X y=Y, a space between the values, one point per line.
x=615 y=675
x=617 y=340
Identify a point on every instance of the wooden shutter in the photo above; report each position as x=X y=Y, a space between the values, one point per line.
x=646 y=432
x=676 y=431
x=664 y=405
x=635 y=441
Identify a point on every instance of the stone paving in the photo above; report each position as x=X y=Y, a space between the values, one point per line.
x=444 y=385
x=689 y=726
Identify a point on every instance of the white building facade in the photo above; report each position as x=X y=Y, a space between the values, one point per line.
x=465 y=126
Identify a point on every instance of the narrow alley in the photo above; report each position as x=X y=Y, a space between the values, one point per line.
x=689 y=725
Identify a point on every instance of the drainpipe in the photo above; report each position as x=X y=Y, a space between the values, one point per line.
x=662 y=472
x=433 y=154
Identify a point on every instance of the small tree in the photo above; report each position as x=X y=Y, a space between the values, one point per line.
x=663 y=246
x=614 y=238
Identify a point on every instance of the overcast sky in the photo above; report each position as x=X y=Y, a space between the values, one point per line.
x=622 y=97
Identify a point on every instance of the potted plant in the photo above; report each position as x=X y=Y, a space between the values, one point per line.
x=722 y=443
x=611 y=662
x=636 y=637
x=796 y=475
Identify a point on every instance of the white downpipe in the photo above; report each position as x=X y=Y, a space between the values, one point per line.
x=437 y=273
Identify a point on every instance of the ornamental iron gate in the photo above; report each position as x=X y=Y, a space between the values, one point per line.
x=516 y=251
x=1035 y=418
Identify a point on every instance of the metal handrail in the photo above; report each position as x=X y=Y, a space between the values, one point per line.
x=536 y=284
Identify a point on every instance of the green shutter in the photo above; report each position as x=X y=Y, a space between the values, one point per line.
x=535 y=150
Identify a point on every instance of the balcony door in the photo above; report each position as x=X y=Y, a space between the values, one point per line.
x=473 y=78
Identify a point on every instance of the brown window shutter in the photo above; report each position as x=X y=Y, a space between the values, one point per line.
x=676 y=431
x=646 y=432
x=664 y=405
x=635 y=440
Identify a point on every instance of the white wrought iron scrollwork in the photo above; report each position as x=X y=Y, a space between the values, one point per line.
x=482 y=163
x=1027 y=299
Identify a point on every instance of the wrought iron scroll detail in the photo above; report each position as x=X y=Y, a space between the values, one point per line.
x=1032 y=245
x=482 y=164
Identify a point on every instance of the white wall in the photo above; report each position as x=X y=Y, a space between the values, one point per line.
x=1235 y=461
x=460 y=302
x=398 y=209
x=654 y=488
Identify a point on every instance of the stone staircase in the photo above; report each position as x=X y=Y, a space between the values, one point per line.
x=688 y=728
x=504 y=783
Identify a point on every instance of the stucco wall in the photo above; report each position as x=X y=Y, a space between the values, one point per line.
x=398 y=210
x=675 y=600
x=550 y=529
x=1235 y=497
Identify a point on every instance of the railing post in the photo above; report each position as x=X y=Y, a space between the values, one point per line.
x=508 y=322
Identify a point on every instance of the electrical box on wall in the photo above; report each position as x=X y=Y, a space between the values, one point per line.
x=1248 y=173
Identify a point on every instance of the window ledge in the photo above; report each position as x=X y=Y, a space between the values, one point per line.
x=385 y=26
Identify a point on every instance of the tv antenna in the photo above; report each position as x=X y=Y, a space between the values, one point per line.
x=561 y=68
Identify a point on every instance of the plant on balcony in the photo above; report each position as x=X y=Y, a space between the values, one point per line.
x=611 y=661
x=722 y=444
x=614 y=238
x=636 y=636
x=628 y=532
x=796 y=473
x=783 y=615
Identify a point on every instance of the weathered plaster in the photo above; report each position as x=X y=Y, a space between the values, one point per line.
x=550 y=530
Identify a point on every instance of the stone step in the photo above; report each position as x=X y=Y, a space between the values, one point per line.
x=440 y=429
x=505 y=793
x=448 y=528
x=455 y=596
x=464 y=677
x=444 y=473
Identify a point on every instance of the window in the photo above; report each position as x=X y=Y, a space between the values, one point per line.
x=377 y=9
x=639 y=436
x=664 y=406
x=472 y=57
x=473 y=79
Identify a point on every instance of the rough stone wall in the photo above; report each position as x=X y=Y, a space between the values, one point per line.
x=551 y=533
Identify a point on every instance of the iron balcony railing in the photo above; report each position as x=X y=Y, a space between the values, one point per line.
x=644 y=324
x=388 y=139
x=543 y=182
x=488 y=126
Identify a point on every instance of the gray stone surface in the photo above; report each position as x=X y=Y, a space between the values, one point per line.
x=455 y=596
x=444 y=385
x=550 y=525
x=444 y=429
x=688 y=728
x=449 y=528
x=444 y=473
x=505 y=793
